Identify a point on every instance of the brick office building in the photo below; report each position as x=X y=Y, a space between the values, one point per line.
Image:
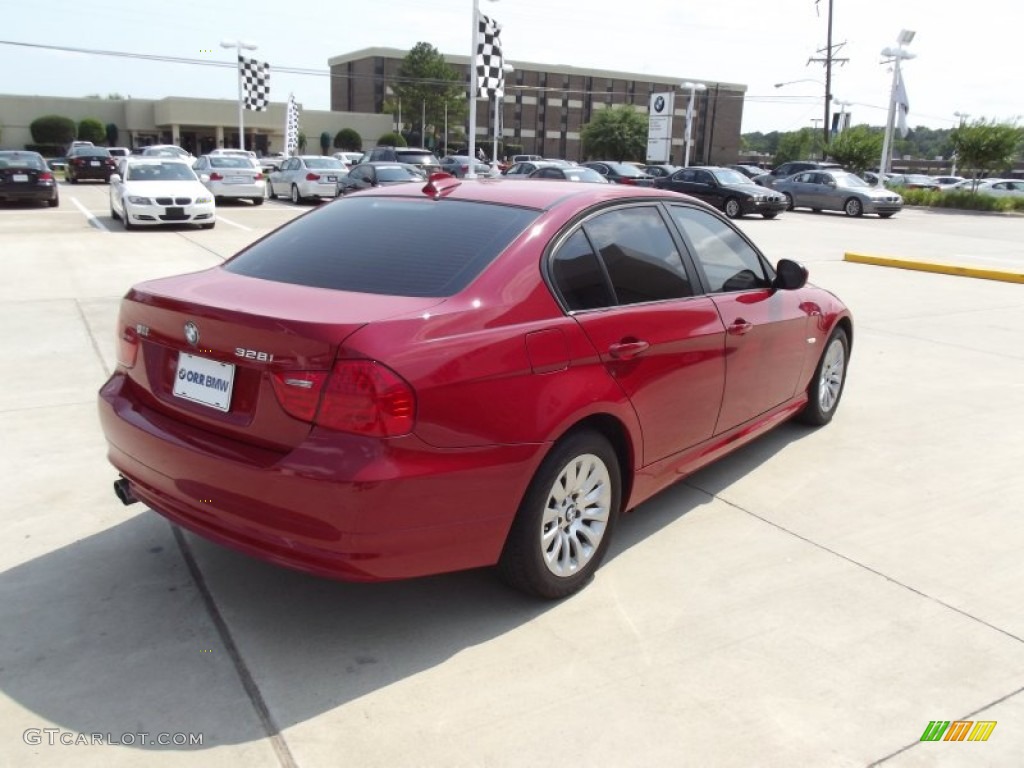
x=545 y=106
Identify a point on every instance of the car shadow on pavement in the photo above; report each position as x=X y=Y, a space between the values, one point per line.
x=112 y=634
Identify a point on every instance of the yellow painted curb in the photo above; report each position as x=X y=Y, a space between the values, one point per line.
x=943 y=269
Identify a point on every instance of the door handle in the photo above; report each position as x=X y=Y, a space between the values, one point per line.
x=739 y=327
x=627 y=350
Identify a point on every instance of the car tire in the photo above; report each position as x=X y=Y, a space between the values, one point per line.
x=770 y=214
x=732 y=208
x=113 y=213
x=211 y=225
x=554 y=546
x=789 y=201
x=72 y=179
x=257 y=201
x=826 y=387
x=853 y=207
x=124 y=218
x=295 y=197
x=885 y=215
x=54 y=202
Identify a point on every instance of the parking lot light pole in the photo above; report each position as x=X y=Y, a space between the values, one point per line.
x=963 y=120
x=897 y=55
x=239 y=45
x=693 y=88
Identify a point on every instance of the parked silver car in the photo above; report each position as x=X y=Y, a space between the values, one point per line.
x=838 y=191
x=231 y=176
x=307 y=177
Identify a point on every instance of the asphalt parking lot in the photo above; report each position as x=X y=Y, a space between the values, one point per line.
x=815 y=599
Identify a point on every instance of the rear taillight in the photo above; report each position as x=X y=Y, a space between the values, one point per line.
x=46 y=176
x=298 y=392
x=312 y=177
x=78 y=161
x=127 y=347
x=628 y=181
x=359 y=396
x=216 y=177
x=258 y=176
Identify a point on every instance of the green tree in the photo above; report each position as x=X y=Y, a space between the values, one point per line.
x=348 y=139
x=987 y=146
x=53 y=129
x=302 y=142
x=392 y=140
x=796 y=145
x=91 y=129
x=325 y=142
x=426 y=84
x=618 y=133
x=111 y=133
x=857 y=149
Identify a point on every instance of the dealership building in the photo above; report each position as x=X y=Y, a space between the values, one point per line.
x=545 y=106
x=543 y=110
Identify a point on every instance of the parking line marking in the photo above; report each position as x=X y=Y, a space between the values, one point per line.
x=89 y=215
x=233 y=223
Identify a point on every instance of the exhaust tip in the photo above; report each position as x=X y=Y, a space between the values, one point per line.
x=123 y=491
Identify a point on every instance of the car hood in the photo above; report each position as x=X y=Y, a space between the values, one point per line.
x=165 y=188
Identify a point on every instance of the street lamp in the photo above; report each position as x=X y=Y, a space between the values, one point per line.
x=963 y=119
x=801 y=80
x=239 y=45
x=498 y=97
x=897 y=55
x=693 y=88
x=471 y=148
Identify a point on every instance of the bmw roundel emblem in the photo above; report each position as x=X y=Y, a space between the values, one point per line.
x=191 y=333
x=659 y=104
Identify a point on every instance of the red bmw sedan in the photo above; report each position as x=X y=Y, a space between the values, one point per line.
x=466 y=373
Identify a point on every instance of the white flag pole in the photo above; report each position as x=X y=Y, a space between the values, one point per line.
x=238 y=45
x=471 y=148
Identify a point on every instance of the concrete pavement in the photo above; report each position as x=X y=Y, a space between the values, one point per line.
x=815 y=599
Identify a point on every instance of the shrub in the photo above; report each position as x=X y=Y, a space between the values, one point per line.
x=348 y=140
x=392 y=140
x=111 y=133
x=91 y=129
x=53 y=129
x=325 y=142
x=961 y=200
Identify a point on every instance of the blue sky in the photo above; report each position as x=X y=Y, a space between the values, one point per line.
x=966 y=62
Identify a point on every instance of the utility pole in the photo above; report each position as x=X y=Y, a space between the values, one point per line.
x=829 y=57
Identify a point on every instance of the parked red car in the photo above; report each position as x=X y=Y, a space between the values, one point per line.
x=427 y=378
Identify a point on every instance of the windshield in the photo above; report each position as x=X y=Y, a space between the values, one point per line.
x=230 y=162
x=849 y=180
x=627 y=170
x=159 y=172
x=731 y=177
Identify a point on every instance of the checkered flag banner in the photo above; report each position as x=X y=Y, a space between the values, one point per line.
x=291 y=126
x=255 y=77
x=490 y=66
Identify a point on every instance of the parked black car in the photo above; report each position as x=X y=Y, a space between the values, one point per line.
x=26 y=176
x=89 y=163
x=379 y=174
x=621 y=173
x=728 y=190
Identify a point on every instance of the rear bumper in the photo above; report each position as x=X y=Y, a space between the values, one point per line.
x=337 y=505
x=28 y=192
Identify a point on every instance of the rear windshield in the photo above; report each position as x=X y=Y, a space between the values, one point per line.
x=416 y=158
x=229 y=161
x=390 y=246
x=22 y=160
x=319 y=163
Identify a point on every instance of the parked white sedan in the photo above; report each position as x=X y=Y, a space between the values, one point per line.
x=151 y=191
x=234 y=176
x=307 y=177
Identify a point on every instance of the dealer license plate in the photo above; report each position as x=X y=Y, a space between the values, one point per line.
x=332 y=178
x=19 y=177
x=203 y=381
x=235 y=180
x=94 y=162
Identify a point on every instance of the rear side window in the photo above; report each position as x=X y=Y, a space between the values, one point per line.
x=390 y=246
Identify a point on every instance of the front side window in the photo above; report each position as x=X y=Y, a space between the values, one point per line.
x=728 y=261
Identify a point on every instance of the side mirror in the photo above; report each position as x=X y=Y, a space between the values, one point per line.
x=790 y=275
x=115 y=177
